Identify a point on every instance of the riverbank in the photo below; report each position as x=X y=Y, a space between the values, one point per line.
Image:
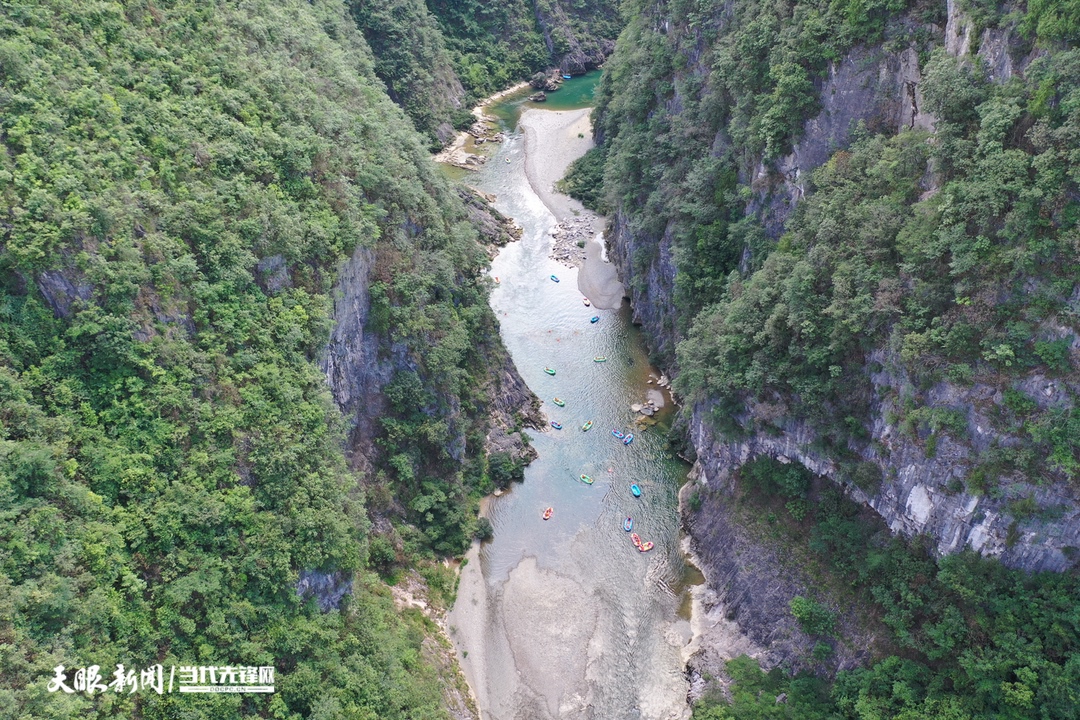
x=553 y=140
x=564 y=618
x=457 y=152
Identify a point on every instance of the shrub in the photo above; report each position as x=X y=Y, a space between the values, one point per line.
x=484 y=529
x=814 y=618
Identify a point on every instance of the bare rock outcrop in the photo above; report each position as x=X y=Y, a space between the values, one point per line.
x=923 y=493
x=359 y=362
x=327 y=589
x=63 y=288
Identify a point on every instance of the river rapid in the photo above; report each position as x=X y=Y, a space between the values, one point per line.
x=564 y=618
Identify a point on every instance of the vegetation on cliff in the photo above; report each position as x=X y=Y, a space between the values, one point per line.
x=179 y=183
x=687 y=115
x=497 y=44
x=963 y=637
x=957 y=254
x=412 y=59
x=949 y=248
x=438 y=58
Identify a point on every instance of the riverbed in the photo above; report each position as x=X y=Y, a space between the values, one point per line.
x=564 y=618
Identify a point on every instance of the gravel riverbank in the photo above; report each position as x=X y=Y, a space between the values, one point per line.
x=553 y=140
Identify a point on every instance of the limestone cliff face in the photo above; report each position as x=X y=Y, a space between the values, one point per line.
x=354 y=370
x=919 y=494
x=746 y=604
x=750 y=583
x=870 y=86
x=923 y=486
x=579 y=36
x=359 y=362
x=647 y=270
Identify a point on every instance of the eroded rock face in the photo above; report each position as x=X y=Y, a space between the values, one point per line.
x=957 y=30
x=496 y=230
x=512 y=404
x=328 y=589
x=272 y=274
x=586 y=51
x=921 y=494
x=751 y=584
x=647 y=270
x=917 y=494
x=582 y=59
x=358 y=364
x=354 y=371
x=870 y=86
x=63 y=288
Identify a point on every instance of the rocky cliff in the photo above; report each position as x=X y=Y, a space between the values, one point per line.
x=923 y=493
x=578 y=35
x=354 y=369
x=360 y=361
x=920 y=478
x=880 y=88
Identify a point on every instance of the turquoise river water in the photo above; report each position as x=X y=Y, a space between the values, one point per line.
x=565 y=618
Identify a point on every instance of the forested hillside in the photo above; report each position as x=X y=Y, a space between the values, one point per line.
x=850 y=230
x=180 y=184
x=438 y=58
x=412 y=59
x=949 y=248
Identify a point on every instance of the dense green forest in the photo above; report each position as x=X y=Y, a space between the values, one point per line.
x=412 y=59
x=497 y=44
x=969 y=638
x=179 y=184
x=967 y=284
x=953 y=252
x=437 y=59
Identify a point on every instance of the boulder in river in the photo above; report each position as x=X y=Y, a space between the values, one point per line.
x=538 y=97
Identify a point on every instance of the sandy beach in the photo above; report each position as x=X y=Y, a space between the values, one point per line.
x=553 y=140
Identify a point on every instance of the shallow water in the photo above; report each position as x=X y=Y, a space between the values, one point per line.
x=565 y=618
x=575 y=93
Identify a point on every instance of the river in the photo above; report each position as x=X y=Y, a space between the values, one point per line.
x=564 y=618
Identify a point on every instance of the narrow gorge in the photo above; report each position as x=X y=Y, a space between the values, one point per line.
x=281 y=396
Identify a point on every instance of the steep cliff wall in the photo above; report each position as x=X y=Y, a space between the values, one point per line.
x=715 y=144
x=871 y=88
x=920 y=492
x=354 y=369
x=869 y=85
x=360 y=360
x=647 y=268
x=578 y=35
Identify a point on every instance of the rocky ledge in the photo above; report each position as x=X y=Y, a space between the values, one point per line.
x=570 y=238
x=496 y=229
x=485 y=130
